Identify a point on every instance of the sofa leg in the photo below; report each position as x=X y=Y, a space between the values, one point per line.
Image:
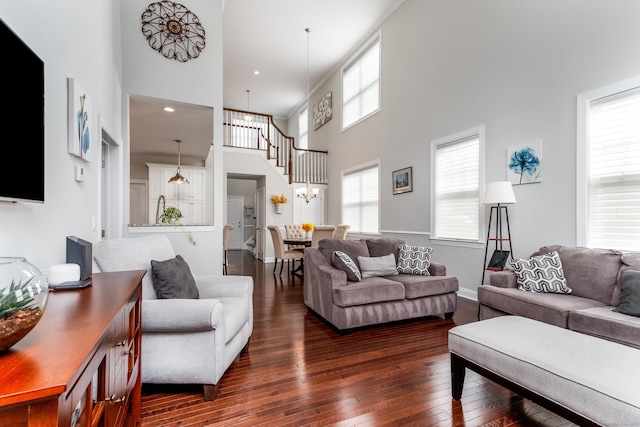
x=210 y=391
x=448 y=315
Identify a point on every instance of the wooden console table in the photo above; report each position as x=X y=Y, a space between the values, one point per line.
x=80 y=365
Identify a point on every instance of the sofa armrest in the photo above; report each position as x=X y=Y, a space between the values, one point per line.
x=224 y=286
x=181 y=315
x=503 y=279
x=437 y=269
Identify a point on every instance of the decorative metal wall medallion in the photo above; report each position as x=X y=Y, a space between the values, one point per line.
x=322 y=111
x=173 y=30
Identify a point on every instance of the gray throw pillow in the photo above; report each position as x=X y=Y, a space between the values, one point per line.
x=629 y=293
x=542 y=273
x=414 y=260
x=378 y=266
x=343 y=262
x=173 y=279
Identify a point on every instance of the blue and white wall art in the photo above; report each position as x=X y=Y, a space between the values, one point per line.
x=524 y=163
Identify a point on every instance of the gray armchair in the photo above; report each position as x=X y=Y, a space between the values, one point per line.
x=184 y=341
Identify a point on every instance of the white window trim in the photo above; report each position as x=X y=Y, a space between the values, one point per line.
x=582 y=138
x=347 y=171
x=355 y=57
x=480 y=132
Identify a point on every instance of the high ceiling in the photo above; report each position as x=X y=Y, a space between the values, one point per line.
x=270 y=37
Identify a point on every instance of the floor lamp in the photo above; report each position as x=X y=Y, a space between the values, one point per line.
x=498 y=195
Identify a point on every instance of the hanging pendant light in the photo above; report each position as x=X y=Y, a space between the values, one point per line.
x=306 y=193
x=248 y=117
x=178 y=178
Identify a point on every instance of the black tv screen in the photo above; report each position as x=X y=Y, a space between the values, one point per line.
x=22 y=121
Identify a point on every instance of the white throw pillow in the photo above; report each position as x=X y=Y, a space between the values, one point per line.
x=378 y=266
x=414 y=260
x=542 y=273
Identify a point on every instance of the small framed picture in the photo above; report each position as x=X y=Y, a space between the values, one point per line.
x=403 y=180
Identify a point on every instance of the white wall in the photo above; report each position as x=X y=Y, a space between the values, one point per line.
x=515 y=67
x=76 y=39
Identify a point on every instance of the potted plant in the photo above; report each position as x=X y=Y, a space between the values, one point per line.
x=279 y=202
x=171 y=215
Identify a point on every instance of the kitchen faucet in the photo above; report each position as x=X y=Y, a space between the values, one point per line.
x=158 y=214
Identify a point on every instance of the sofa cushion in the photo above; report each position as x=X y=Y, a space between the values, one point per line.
x=629 y=293
x=353 y=248
x=384 y=246
x=418 y=286
x=377 y=266
x=629 y=261
x=590 y=273
x=173 y=279
x=606 y=323
x=545 y=307
x=343 y=262
x=414 y=260
x=369 y=290
x=541 y=273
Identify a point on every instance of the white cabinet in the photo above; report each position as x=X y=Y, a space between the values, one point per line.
x=189 y=198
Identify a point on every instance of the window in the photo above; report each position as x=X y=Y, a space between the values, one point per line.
x=303 y=129
x=455 y=185
x=360 y=197
x=361 y=85
x=609 y=167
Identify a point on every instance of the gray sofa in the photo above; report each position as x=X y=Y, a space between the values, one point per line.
x=594 y=278
x=347 y=305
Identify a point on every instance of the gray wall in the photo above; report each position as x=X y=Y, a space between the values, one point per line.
x=515 y=67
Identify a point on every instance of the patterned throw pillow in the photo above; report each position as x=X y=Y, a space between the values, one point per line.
x=542 y=273
x=343 y=262
x=414 y=260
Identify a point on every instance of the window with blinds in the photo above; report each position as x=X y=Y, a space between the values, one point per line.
x=456 y=187
x=613 y=171
x=303 y=129
x=361 y=85
x=360 y=195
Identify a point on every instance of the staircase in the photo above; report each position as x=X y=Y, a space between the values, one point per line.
x=254 y=131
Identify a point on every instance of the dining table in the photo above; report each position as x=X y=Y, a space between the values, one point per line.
x=298 y=241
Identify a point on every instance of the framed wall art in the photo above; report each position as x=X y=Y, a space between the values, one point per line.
x=524 y=163
x=80 y=121
x=403 y=180
x=322 y=111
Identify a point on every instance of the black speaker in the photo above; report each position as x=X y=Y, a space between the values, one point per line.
x=80 y=252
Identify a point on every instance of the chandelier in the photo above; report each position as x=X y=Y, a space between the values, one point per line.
x=306 y=193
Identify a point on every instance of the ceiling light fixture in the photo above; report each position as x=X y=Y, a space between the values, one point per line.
x=178 y=178
x=306 y=193
x=248 y=117
x=169 y=109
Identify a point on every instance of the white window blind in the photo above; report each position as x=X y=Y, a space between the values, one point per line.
x=361 y=85
x=360 y=200
x=613 y=183
x=457 y=184
x=303 y=129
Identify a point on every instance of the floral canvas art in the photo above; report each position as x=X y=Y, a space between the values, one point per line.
x=524 y=163
x=80 y=121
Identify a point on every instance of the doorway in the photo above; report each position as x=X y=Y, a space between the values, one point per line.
x=234 y=217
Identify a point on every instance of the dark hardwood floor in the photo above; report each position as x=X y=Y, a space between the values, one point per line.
x=300 y=372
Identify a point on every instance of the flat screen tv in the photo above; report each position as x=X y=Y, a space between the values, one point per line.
x=22 y=121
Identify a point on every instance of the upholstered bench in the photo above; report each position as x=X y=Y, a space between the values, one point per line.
x=587 y=380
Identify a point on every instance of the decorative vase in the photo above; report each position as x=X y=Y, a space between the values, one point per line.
x=307 y=235
x=23 y=298
x=279 y=208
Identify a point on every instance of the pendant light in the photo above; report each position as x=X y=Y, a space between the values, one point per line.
x=178 y=178
x=248 y=117
x=306 y=193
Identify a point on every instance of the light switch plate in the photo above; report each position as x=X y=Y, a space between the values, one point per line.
x=78 y=173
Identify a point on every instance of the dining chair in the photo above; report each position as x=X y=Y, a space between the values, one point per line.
x=321 y=232
x=279 y=250
x=341 y=231
x=225 y=239
x=294 y=230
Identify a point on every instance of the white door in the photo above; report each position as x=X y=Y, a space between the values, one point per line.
x=235 y=210
x=260 y=223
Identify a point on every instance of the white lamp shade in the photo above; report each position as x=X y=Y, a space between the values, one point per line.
x=499 y=193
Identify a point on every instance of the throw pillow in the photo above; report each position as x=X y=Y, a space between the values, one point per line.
x=541 y=273
x=414 y=260
x=173 y=279
x=378 y=266
x=343 y=262
x=629 y=293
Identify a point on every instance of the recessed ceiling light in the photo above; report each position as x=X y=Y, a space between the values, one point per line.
x=169 y=109
x=256 y=72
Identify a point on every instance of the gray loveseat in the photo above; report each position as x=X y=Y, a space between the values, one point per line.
x=347 y=305
x=594 y=277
